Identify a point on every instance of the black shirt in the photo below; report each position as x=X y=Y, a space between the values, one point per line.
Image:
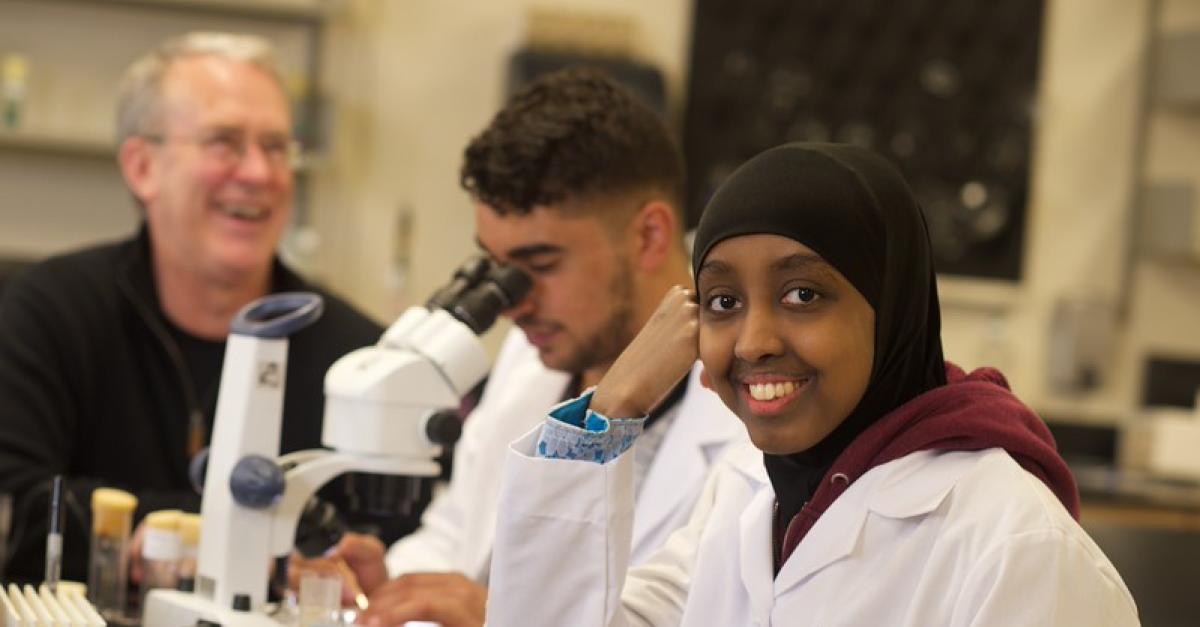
x=96 y=386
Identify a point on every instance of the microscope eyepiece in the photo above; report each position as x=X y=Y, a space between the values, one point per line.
x=467 y=276
x=513 y=283
x=481 y=290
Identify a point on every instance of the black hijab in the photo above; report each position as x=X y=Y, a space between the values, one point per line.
x=854 y=209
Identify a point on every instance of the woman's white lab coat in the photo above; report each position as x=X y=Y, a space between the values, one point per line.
x=931 y=539
x=457 y=527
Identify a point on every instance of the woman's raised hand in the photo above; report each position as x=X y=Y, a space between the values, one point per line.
x=662 y=353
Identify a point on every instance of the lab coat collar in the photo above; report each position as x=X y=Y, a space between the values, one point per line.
x=908 y=490
x=748 y=462
x=833 y=537
x=702 y=427
x=903 y=488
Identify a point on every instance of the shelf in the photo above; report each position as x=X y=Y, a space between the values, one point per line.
x=50 y=144
x=44 y=143
x=980 y=294
x=301 y=11
x=1173 y=72
x=1166 y=221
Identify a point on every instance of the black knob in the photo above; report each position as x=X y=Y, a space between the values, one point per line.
x=443 y=427
x=241 y=602
x=320 y=527
x=256 y=482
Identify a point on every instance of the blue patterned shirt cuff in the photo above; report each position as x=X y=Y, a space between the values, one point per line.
x=574 y=431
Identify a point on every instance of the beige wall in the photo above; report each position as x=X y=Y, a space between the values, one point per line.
x=413 y=80
x=427 y=76
x=436 y=79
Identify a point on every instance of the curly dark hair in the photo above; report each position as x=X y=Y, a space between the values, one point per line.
x=570 y=134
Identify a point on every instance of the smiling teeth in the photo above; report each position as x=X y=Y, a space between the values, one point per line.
x=248 y=213
x=771 y=391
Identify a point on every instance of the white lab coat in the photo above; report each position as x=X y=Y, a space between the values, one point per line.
x=931 y=539
x=458 y=527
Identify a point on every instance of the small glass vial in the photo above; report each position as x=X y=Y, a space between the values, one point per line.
x=14 y=74
x=320 y=599
x=161 y=549
x=108 y=570
x=189 y=541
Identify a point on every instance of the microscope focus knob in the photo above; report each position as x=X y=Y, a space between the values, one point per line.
x=256 y=482
x=443 y=427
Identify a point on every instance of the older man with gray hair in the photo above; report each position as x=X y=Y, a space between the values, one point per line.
x=110 y=357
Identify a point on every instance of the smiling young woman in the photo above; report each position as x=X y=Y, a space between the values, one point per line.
x=885 y=486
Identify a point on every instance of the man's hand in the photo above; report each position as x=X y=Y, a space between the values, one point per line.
x=662 y=353
x=356 y=558
x=449 y=599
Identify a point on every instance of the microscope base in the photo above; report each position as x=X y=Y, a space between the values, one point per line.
x=184 y=609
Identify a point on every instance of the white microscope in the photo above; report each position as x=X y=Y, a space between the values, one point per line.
x=388 y=410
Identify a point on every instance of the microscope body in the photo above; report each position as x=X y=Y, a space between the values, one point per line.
x=389 y=410
x=378 y=400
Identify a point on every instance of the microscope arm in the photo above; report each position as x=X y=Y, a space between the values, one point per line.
x=315 y=470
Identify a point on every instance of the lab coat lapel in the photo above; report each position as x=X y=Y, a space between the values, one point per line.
x=754 y=553
x=898 y=489
x=833 y=537
x=702 y=426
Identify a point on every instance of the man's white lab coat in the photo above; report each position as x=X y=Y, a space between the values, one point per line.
x=458 y=527
x=946 y=539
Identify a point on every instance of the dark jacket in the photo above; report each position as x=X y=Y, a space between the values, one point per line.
x=97 y=385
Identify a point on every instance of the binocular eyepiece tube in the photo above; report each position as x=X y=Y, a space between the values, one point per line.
x=479 y=291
